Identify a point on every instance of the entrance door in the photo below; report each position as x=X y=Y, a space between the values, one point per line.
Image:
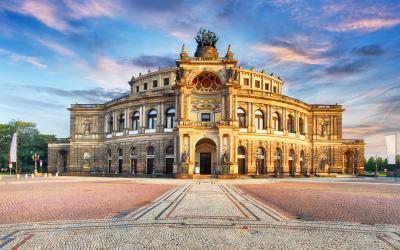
x=169 y=165
x=133 y=166
x=150 y=165
x=120 y=166
x=242 y=165
x=260 y=165
x=205 y=163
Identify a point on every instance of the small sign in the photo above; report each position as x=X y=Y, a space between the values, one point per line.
x=41 y=163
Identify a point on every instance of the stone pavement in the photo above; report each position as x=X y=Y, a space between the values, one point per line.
x=200 y=215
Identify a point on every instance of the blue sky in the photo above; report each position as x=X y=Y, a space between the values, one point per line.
x=54 y=53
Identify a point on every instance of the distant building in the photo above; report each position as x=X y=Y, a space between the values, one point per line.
x=206 y=116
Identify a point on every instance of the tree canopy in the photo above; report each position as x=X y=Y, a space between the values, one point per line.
x=30 y=141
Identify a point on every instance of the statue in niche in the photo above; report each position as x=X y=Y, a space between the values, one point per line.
x=225 y=158
x=86 y=126
x=324 y=128
x=184 y=157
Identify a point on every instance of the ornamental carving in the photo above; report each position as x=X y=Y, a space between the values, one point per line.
x=207 y=82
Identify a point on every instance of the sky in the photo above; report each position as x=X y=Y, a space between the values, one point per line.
x=55 y=53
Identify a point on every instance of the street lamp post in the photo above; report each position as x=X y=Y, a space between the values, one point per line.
x=35 y=158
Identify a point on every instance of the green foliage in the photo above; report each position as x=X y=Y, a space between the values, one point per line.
x=30 y=141
x=381 y=164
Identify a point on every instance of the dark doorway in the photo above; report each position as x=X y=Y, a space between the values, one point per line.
x=109 y=166
x=120 y=166
x=133 y=166
x=150 y=165
x=169 y=165
x=205 y=163
x=242 y=165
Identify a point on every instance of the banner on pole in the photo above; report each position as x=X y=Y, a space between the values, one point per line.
x=13 y=148
x=391 y=148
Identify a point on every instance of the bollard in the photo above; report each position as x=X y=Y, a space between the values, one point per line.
x=26 y=176
x=45 y=175
x=0 y=177
x=33 y=176
x=17 y=176
x=56 y=174
x=49 y=174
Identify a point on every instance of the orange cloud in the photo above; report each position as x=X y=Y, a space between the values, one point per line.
x=366 y=25
x=291 y=55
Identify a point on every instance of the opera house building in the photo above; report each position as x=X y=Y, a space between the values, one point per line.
x=206 y=116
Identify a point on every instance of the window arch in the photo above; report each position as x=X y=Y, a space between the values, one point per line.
x=110 y=124
x=260 y=161
x=241 y=160
x=259 y=119
x=241 y=116
x=301 y=126
x=120 y=153
x=152 y=119
x=277 y=121
x=290 y=124
x=169 y=150
x=150 y=151
x=207 y=82
x=170 y=117
x=135 y=120
x=121 y=123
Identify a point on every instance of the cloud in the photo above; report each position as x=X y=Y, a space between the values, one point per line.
x=364 y=25
x=14 y=57
x=46 y=12
x=90 y=8
x=92 y=95
x=109 y=73
x=55 y=47
x=348 y=68
x=368 y=50
x=291 y=54
x=152 y=61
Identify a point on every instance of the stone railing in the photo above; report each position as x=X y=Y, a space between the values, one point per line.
x=59 y=140
x=87 y=106
x=352 y=141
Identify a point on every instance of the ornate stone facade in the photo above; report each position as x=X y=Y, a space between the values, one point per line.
x=206 y=116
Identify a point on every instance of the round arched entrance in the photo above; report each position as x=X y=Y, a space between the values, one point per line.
x=205 y=156
x=349 y=163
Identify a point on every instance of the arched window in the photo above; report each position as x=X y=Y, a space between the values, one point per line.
x=260 y=162
x=110 y=124
x=241 y=160
x=170 y=117
x=241 y=116
x=277 y=121
x=207 y=82
x=133 y=152
x=301 y=126
x=169 y=150
x=241 y=151
x=290 y=124
x=259 y=119
x=135 y=120
x=152 y=119
x=150 y=151
x=121 y=123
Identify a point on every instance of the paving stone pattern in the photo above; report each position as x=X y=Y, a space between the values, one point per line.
x=200 y=215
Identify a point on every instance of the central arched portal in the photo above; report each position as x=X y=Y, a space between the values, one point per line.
x=205 y=156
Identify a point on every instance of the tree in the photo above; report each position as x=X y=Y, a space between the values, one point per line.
x=29 y=141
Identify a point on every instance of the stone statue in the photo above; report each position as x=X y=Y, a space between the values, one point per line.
x=225 y=158
x=86 y=130
x=184 y=157
x=206 y=38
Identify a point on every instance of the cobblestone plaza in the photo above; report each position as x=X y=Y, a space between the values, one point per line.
x=201 y=215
